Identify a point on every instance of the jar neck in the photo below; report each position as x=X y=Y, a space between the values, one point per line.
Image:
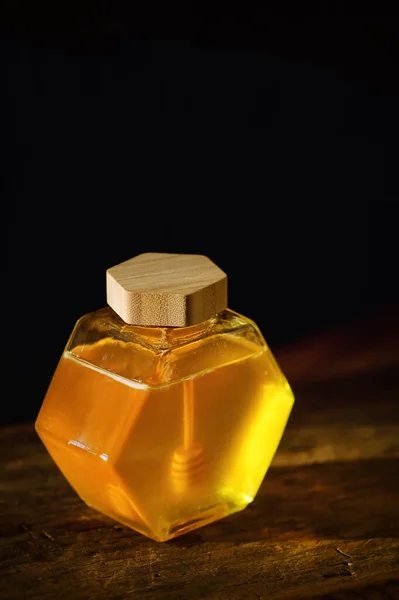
x=165 y=336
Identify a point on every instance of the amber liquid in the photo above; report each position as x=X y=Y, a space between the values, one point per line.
x=172 y=456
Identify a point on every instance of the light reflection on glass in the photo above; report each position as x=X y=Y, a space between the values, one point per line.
x=87 y=448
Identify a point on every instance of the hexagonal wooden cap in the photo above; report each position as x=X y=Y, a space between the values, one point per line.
x=166 y=290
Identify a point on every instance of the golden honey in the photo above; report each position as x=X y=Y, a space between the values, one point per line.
x=165 y=429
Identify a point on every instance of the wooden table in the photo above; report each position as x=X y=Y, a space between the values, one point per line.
x=324 y=525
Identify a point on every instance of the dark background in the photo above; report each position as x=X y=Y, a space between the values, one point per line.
x=268 y=144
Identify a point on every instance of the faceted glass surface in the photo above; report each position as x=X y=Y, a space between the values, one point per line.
x=165 y=429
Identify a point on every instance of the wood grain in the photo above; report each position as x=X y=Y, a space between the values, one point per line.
x=168 y=290
x=325 y=522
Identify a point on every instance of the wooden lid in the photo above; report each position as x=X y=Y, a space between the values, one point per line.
x=166 y=290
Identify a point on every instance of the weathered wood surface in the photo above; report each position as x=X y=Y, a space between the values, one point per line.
x=324 y=525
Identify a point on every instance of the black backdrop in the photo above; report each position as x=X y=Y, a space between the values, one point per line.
x=270 y=146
